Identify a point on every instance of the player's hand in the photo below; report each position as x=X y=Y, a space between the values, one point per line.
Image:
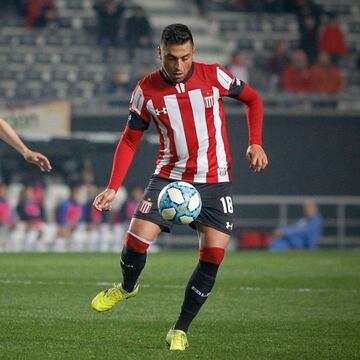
x=38 y=159
x=256 y=157
x=103 y=200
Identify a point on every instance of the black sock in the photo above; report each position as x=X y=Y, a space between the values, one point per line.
x=197 y=291
x=131 y=263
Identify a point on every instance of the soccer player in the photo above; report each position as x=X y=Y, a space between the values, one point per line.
x=184 y=100
x=8 y=134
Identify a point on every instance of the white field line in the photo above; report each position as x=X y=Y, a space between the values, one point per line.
x=241 y=288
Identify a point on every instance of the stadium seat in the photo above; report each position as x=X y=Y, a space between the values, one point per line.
x=254 y=240
x=13 y=193
x=43 y=58
x=54 y=194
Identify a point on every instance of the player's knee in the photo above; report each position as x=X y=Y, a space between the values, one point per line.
x=133 y=255
x=136 y=243
x=214 y=255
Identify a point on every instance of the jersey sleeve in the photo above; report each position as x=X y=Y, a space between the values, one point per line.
x=226 y=82
x=235 y=88
x=139 y=117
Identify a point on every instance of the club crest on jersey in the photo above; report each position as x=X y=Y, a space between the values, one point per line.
x=145 y=206
x=222 y=171
x=209 y=101
x=161 y=111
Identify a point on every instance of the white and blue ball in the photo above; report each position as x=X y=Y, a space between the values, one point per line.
x=179 y=203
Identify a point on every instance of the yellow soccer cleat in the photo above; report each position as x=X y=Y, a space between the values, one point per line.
x=177 y=340
x=106 y=299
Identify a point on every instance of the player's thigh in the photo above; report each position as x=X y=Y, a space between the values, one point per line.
x=147 y=208
x=145 y=229
x=217 y=209
x=210 y=237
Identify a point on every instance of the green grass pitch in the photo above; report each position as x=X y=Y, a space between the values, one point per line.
x=264 y=306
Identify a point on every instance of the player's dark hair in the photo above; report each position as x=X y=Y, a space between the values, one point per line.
x=176 y=34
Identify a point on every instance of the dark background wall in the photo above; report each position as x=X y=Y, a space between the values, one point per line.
x=307 y=155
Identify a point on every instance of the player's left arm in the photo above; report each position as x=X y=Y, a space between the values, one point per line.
x=254 y=114
x=8 y=134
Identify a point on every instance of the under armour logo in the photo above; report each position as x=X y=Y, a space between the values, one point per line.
x=126 y=265
x=229 y=225
x=159 y=111
x=200 y=293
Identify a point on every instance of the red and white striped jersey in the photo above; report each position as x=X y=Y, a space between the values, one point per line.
x=191 y=122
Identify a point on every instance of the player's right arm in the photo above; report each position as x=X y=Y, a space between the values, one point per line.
x=123 y=158
x=229 y=85
x=138 y=122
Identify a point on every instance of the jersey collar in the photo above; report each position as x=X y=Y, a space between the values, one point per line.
x=170 y=82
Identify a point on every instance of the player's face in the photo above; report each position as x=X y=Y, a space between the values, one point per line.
x=176 y=60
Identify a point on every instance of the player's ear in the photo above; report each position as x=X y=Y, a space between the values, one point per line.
x=159 y=52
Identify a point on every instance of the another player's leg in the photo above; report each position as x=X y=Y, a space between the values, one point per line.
x=212 y=250
x=132 y=262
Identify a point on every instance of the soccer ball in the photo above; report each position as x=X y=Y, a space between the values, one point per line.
x=179 y=203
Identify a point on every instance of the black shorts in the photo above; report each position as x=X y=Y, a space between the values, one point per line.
x=217 y=207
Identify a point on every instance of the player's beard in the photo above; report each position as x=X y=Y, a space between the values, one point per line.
x=174 y=77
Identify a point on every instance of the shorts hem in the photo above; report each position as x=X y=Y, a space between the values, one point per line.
x=164 y=228
x=213 y=227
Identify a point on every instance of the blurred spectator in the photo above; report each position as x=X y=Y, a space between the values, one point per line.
x=29 y=210
x=91 y=215
x=303 y=235
x=309 y=18
x=128 y=208
x=99 y=234
x=238 y=66
x=332 y=39
x=71 y=212
x=297 y=77
x=309 y=38
x=117 y=84
x=277 y=63
x=326 y=76
x=31 y=213
x=110 y=17
x=85 y=181
x=305 y=8
x=34 y=179
x=6 y=218
x=6 y=215
x=70 y=215
x=42 y=13
x=138 y=31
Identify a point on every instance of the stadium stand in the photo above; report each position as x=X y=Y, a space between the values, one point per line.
x=52 y=62
x=67 y=62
